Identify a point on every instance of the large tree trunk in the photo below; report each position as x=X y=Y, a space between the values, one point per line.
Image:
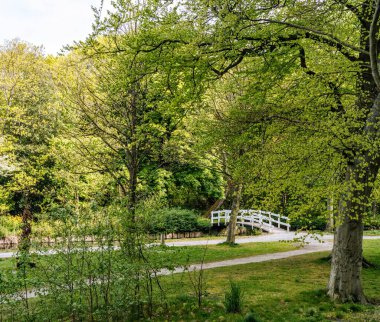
x=231 y=230
x=346 y=265
x=132 y=195
x=363 y=165
x=347 y=255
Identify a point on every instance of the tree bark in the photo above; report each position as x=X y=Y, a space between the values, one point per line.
x=26 y=229
x=231 y=230
x=346 y=265
x=347 y=256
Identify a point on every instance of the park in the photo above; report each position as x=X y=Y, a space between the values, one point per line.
x=192 y=160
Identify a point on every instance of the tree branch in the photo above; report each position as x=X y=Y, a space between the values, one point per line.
x=337 y=95
x=308 y=35
x=314 y=31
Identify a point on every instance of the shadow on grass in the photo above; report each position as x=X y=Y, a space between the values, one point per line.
x=229 y=244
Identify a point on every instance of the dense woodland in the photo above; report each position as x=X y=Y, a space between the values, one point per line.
x=172 y=109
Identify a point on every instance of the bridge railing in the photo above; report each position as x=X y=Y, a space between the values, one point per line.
x=274 y=219
x=249 y=217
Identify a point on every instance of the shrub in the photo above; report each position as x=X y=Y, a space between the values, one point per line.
x=4 y=232
x=10 y=225
x=176 y=220
x=233 y=299
x=204 y=224
x=309 y=222
x=42 y=229
x=372 y=222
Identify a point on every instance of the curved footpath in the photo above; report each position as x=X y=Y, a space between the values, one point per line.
x=272 y=237
x=314 y=242
x=252 y=259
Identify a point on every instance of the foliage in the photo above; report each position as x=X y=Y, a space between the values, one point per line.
x=311 y=221
x=10 y=225
x=170 y=220
x=4 y=232
x=372 y=222
x=75 y=273
x=28 y=122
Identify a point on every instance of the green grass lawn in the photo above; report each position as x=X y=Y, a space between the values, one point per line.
x=195 y=254
x=214 y=253
x=290 y=289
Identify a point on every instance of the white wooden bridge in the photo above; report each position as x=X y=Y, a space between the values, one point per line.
x=265 y=220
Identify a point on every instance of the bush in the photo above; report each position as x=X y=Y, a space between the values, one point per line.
x=9 y=226
x=372 y=222
x=309 y=222
x=4 y=232
x=176 y=220
x=233 y=299
x=42 y=229
x=204 y=224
